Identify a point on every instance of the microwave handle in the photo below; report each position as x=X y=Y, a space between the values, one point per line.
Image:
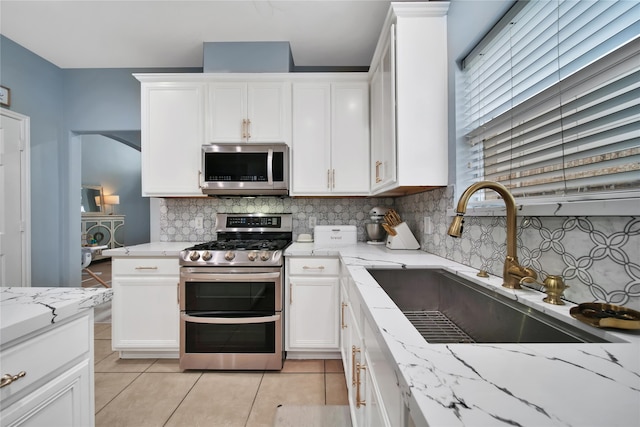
x=270 y=166
x=230 y=320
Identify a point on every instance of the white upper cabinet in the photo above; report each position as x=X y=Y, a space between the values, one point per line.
x=330 y=147
x=249 y=112
x=172 y=125
x=408 y=78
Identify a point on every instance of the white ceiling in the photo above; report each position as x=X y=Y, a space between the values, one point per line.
x=170 y=33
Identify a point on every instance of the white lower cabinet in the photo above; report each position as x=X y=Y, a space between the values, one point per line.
x=57 y=388
x=311 y=300
x=373 y=391
x=145 y=309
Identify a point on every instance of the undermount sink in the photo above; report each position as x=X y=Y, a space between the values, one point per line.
x=445 y=308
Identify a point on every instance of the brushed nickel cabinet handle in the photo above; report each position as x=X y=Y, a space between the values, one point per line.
x=328 y=179
x=248 y=128
x=333 y=178
x=244 y=129
x=320 y=267
x=8 y=378
x=140 y=267
x=290 y=293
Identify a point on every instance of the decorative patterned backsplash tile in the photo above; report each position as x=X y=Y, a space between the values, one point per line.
x=177 y=216
x=597 y=256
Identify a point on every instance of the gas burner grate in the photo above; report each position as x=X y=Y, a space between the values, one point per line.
x=436 y=328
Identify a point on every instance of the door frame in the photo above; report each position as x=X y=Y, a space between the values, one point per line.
x=25 y=193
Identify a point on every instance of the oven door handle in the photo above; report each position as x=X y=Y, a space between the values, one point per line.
x=230 y=320
x=233 y=277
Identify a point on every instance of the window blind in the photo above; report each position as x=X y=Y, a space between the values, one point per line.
x=552 y=100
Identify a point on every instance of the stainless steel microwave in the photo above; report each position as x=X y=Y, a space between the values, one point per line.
x=245 y=169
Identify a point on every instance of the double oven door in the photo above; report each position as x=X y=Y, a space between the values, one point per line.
x=231 y=318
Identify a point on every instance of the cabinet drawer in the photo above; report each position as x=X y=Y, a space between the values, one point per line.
x=314 y=266
x=146 y=266
x=38 y=360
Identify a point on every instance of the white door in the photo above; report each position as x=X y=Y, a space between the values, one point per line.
x=15 y=253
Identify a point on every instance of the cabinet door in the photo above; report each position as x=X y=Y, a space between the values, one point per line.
x=172 y=134
x=350 y=138
x=227 y=112
x=313 y=313
x=375 y=415
x=145 y=313
x=66 y=400
x=383 y=106
x=356 y=381
x=268 y=115
x=311 y=141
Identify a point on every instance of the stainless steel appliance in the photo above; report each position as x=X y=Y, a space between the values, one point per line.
x=245 y=169
x=231 y=292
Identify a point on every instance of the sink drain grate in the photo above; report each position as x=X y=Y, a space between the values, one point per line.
x=436 y=328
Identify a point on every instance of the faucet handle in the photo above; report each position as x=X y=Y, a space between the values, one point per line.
x=554 y=287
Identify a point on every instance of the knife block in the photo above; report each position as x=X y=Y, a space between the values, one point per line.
x=403 y=239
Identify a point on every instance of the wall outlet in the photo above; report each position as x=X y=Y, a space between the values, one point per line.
x=428 y=225
x=312 y=221
x=199 y=222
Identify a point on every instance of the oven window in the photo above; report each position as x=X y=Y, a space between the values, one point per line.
x=242 y=167
x=240 y=338
x=230 y=296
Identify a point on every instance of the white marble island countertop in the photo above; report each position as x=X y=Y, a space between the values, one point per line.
x=25 y=310
x=495 y=384
x=150 y=249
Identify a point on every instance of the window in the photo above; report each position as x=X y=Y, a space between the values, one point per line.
x=552 y=102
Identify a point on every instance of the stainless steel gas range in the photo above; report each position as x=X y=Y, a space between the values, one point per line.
x=231 y=292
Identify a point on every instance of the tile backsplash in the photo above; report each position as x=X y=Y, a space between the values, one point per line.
x=597 y=256
x=177 y=216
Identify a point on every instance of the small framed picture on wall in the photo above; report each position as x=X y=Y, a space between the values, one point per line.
x=5 y=96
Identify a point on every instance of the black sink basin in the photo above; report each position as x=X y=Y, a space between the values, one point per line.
x=448 y=309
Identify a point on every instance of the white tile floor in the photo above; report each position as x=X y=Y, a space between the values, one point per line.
x=154 y=392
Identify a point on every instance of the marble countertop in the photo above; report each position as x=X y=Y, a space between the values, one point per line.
x=495 y=384
x=25 y=310
x=150 y=249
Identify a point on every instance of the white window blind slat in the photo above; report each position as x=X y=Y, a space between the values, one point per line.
x=552 y=102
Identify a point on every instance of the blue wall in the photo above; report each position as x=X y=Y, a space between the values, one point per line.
x=37 y=91
x=62 y=105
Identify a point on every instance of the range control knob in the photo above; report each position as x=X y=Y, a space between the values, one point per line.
x=206 y=256
x=251 y=256
x=265 y=255
x=194 y=255
x=229 y=255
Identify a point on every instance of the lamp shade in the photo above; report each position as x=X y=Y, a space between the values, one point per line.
x=112 y=200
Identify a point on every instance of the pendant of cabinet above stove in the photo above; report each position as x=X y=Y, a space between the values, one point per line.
x=409 y=100
x=249 y=112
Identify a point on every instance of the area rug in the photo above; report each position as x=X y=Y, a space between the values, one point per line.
x=312 y=416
